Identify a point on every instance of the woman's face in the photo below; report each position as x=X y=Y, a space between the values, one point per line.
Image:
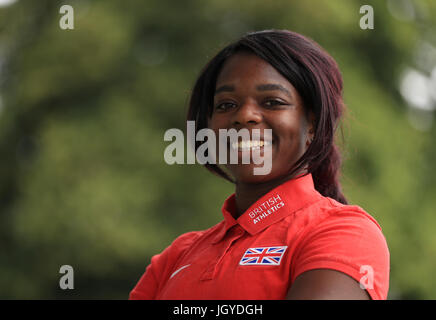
x=251 y=94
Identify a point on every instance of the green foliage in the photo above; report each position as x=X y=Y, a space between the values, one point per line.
x=83 y=114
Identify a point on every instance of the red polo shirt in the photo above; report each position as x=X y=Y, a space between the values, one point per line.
x=290 y=230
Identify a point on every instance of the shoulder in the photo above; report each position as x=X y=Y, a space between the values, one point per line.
x=184 y=242
x=162 y=265
x=357 y=220
x=339 y=211
x=330 y=211
x=345 y=238
x=187 y=240
x=338 y=222
x=329 y=214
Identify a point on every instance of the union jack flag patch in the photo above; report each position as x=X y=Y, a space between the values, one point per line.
x=263 y=256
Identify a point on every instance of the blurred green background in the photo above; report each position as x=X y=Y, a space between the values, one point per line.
x=83 y=112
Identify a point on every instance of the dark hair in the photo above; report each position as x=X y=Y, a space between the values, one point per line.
x=316 y=77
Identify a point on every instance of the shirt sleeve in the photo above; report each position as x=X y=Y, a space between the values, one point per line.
x=157 y=272
x=349 y=241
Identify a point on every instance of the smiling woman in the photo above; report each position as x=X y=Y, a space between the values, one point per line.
x=289 y=233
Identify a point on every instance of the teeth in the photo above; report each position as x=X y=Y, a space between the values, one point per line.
x=248 y=144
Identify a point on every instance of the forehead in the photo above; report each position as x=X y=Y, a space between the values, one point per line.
x=247 y=67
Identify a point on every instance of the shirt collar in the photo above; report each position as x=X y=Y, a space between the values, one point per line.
x=275 y=205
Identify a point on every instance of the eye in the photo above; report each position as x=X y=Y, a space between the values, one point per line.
x=224 y=106
x=271 y=103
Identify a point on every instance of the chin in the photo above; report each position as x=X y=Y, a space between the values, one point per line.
x=246 y=176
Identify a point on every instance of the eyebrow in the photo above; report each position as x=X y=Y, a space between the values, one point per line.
x=261 y=87
x=225 y=88
x=272 y=87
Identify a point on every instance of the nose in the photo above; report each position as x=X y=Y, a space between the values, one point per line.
x=248 y=113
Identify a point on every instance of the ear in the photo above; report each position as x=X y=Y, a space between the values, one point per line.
x=310 y=128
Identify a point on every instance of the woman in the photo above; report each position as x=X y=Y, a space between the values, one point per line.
x=289 y=233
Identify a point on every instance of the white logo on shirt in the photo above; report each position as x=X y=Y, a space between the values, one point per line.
x=266 y=208
x=178 y=270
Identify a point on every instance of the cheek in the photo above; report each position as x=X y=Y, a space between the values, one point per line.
x=292 y=137
x=288 y=128
x=215 y=123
